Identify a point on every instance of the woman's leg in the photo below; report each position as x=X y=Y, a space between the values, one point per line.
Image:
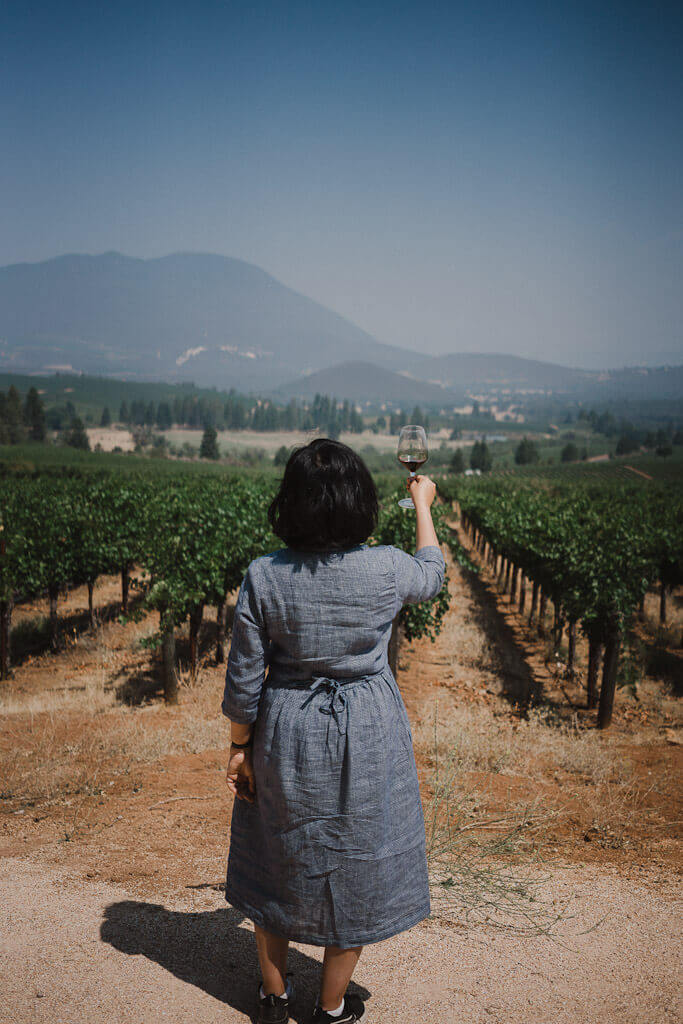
x=338 y=966
x=272 y=954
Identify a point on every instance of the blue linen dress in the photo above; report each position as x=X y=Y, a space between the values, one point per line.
x=332 y=851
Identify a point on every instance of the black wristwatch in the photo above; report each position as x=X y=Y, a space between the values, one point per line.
x=241 y=746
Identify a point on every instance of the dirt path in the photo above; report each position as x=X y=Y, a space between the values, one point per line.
x=76 y=954
x=112 y=909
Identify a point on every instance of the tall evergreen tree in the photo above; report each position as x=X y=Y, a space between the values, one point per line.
x=34 y=415
x=105 y=419
x=480 y=457
x=209 y=446
x=14 y=416
x=419 y=417
x=526 y=452
x=281 y=456
x=164 y=421
x=77 y=436
x=458 y=461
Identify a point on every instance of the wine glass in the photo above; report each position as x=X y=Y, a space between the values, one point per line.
x=412 y=452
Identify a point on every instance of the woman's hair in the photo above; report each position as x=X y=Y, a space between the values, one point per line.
x=327 y=498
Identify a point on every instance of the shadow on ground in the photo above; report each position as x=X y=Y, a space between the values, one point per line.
x=663 y=661
x=33 y=636
x=518 y=683
x=208 y=949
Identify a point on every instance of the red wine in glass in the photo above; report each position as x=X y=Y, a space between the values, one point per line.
x=412 y=452
x=412 y=464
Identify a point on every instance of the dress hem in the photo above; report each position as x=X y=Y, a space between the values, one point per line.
x=310 y=940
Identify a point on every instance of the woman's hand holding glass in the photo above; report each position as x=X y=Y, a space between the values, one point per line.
x=422 y=490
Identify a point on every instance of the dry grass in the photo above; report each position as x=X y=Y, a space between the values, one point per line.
x=486 y=865
x=59 y=744
x=481 y=741
x=482 y=870
x=90 y=696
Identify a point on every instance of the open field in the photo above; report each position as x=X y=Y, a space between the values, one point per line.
x=238 y=442
x=232 y=441
x=109 y=438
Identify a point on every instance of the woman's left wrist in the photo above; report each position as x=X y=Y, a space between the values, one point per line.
x=242 y=746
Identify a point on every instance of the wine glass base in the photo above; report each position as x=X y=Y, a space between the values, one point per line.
x=406 y=503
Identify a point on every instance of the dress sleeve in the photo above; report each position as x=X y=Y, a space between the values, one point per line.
x=248 y=655
x=419 y=577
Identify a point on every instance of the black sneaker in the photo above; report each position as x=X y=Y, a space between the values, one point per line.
x=354 y=1010
x=275 y=1009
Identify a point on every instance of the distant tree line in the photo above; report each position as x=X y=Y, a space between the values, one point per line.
x=238 y=412
x=480 y=458
x=400 y=419
x=661 y=441
x=630 y=438
x=27 y=420
x=21 y=420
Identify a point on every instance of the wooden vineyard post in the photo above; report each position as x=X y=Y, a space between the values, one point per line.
x=91 y=604
x=571 y=648
x=125 y=587
x=534 y=602
x=513 y=583
x=221 y=620
x=5 y=634
x=53 y=593
x=609 y=678
x=196 y=616
x=541 y=614
x=594 y=647
x=168 y=658
x=522 y=591
x=557 y=625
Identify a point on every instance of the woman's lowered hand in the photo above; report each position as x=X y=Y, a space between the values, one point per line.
x=240 y=775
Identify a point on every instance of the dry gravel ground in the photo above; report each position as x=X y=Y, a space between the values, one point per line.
x=73 y=954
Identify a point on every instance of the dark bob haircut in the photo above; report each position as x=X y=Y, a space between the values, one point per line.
x=327 y=499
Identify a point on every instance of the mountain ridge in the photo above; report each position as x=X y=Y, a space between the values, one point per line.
x=223 y=322
x=363 y=381
x=111 y=312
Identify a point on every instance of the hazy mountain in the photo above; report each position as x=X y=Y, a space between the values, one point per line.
x=639 y=382
x=496 y=376
x=224 y=323
x=211 y=319
x=366 y=382
x=472 y=370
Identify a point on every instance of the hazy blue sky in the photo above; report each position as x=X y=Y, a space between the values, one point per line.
x=492 y=177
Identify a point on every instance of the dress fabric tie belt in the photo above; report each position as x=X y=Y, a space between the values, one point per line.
x=336 y=690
